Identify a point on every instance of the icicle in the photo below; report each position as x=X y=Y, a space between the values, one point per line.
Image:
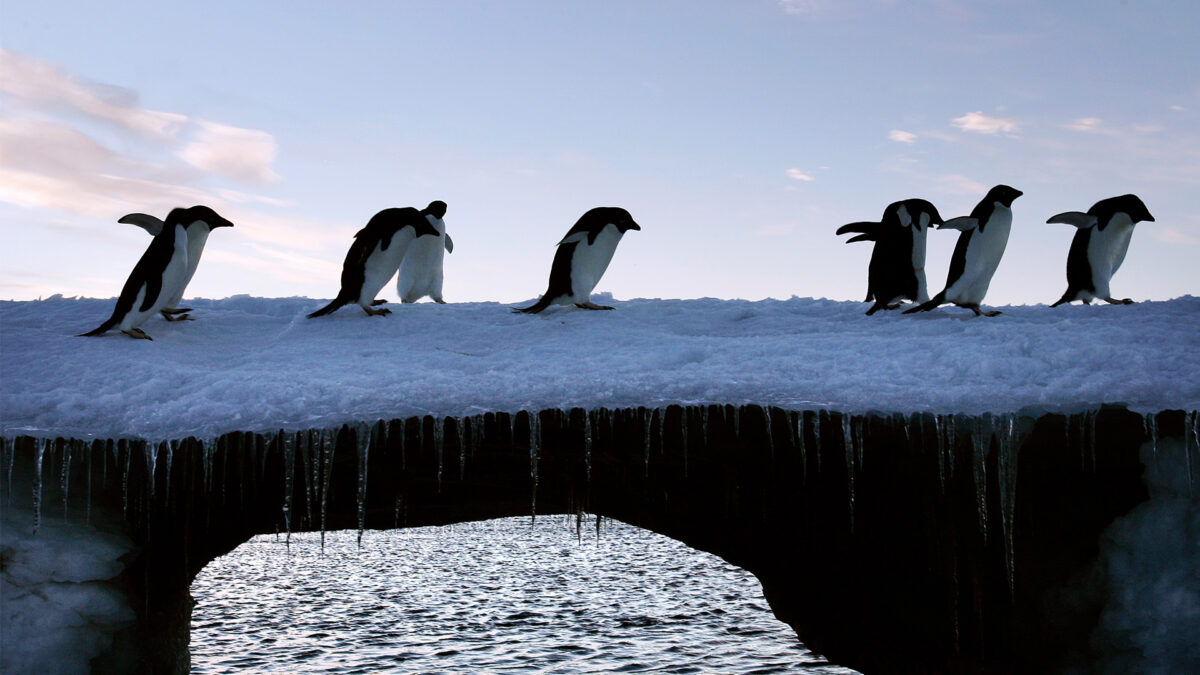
x=860 y=447
x=587 y=443
x=1151 y=425
x=9 y=450
x=904 y=425
x=42 y=447
x=941 y=446
x=649 y=416
x=662 y=431
x=848 y=446
x=288 y=441
x=87 y=518
x=737 y=422
x=362 y=438
x=535 y=442
x=171 y=448
x=439 y=434
x=817 y=436
x=1003 y=429
x=951 y=442
x=981 y=440
x=65 y=479
x=128 y=454
x=310 y=445
x=704 y=426
x=151 y=452
x=685 y=421
x=801 y=447
x=767 y=428
x=328 y=445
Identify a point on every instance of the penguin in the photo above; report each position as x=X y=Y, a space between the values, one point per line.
x=582 y=257
x=160 y=273
x=375 y=256
x=984 y=235
x=1099 y=246
x=897 y=268
x=197 y=237
x=421 y=270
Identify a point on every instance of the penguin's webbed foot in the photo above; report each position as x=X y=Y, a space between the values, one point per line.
x=591 y=305
x=376 y=302
x=1114 y=301
x=439 y=301
x=137 y=333
x=178 y=317
x=980 y=312
x=377 y=312
x=175 y=310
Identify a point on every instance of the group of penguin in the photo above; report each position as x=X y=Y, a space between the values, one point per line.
x=897 y=268
x=413 y=242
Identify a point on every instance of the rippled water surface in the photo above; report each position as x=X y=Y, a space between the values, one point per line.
x=496 y=596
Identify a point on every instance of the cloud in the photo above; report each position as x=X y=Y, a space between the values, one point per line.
x=1171 y=235
x=902 y=136
x=1092 y=125
x=800 y=175
x=44 y=86
x=984 y=124
x=241 y=154
x=956 y=184
x=804 y=7
x=1178 y=108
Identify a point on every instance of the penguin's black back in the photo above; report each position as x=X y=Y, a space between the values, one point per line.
x=149 y=272
x=890 y=272
x=958 y=259
x=596 y=219
x=1079 y=270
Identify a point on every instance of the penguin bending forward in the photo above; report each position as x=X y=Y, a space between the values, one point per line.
x=897 y=268
x=161 y=273
x=582 y=257
x=1099 y=246
x=197 y=237
x=981 y=244
x=375 y=256
x=421 y=270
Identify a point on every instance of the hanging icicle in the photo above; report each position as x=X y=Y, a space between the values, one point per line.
x=848 y=447
x=535 y=442
x=43 y=447
x=980 y=442
x=649 y=419
x=327 y=447
x=767 y=430
x=587 y=443
x=941 y=447
x=1008 y=446
x=362 y=441
x=64 y=484
x=801 y=447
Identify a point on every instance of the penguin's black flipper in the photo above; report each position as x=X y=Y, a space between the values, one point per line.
x=937 y=301
x=535 y=307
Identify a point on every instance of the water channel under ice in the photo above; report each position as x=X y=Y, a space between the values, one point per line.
x=502 y=595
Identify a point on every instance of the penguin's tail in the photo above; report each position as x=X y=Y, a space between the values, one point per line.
x=535 y=307
x=1067 y=297
x=101 y=329
x=937 y=301
x=332 y=307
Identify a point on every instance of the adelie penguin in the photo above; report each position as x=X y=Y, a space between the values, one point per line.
x=195 y=248
x=897 y=268
x=582 y=257
x=421 y=271
x=981 y=244
x=1099 y=246
x=375 y=256
x=162 y=271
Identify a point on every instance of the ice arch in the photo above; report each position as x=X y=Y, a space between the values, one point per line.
x=891 y=543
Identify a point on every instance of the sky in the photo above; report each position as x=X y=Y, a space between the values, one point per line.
x=739 y=135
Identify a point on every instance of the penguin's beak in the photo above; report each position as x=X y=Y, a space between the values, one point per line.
x=1149 y=218
x=223 y=223
x=633 y=226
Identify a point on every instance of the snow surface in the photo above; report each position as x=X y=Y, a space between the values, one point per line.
x=256 y=364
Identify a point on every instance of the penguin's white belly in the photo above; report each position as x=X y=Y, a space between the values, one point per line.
x=172 y=280
x=983 y=257
x=918 y=262
x=197 y=237
x=421 y=271
x=381 y=265
x=1106 y=252
x=590 y=261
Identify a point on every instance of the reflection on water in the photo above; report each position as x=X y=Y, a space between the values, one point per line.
x=494 y=596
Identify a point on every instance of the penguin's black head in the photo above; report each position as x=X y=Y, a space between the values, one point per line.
x=420 y=224
x=436 y=208
x=1130 y=205
x=914 y=213
x=621 y=218
x=197 y=214
x=1003 y=194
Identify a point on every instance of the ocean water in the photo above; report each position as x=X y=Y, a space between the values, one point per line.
x=489 y=597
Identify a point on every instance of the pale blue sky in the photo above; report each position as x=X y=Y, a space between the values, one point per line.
x=740 y=135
